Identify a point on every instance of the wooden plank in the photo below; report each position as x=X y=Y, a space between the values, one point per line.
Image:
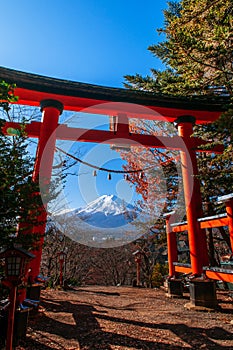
x=220 y=276
x=213 y=274
x=180 y=228
x=208 y=218
x=183 y=269
x=218 y=222
x=214 y=223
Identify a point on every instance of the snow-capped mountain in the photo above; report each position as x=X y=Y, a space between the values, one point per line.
x=107 y=211
x=105 y=222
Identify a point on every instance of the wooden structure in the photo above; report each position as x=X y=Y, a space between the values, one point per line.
x=54 y=95
x=172 y=228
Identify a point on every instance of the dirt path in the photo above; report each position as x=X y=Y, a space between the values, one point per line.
x=126 y=318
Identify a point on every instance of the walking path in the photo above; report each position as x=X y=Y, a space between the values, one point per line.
x=126 y=318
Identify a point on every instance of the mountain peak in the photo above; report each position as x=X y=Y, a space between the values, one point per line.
x=107 y=204
x=106 y=216
x=107 y=211
x=112 y=197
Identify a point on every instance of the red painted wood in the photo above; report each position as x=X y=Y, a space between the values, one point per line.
x=219 y=276
x=171 y=246
x=183 y=269
x=193 y=202
x=215 y=275
x=204 y=224
x=180 y=228
x=214 y=223
x=108 y=105
x=122 y=136
x=95 y=106
x=43 y=171
x=229 y=210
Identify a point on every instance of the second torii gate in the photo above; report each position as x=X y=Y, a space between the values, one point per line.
x=54 y=95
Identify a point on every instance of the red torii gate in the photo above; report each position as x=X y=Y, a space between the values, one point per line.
x=54 y=95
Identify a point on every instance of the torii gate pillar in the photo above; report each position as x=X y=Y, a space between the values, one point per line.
x=192 y=194
x=51 y=110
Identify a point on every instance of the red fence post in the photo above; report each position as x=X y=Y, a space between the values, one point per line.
x=229 y=210
x=171 y=244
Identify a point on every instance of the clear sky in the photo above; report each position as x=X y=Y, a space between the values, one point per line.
x=92 y=41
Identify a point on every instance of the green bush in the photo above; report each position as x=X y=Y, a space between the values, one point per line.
x=158 y=274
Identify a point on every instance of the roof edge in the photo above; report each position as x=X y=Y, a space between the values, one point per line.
x=40 y=83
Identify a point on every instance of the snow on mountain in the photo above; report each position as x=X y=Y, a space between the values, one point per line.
x=107 y=211
x=108 y=205
x=108 y=221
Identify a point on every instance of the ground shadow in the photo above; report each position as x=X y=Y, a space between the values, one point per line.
x=97 y=292
x=195 y=336
x=31 y=344
x=88 y=333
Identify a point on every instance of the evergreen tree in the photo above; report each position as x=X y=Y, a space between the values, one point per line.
x=198 y=56
x=20 y=199
x=6 y=95
x=21 y=202
x=197 y=50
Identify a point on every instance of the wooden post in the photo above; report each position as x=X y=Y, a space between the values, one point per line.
x=171 y=243
x=138 y=260
x=192 y=194
x=61 y=273
x=229 y=210
x=228 y=200
x=138 y=272
x=11 y=318
x=51 y=111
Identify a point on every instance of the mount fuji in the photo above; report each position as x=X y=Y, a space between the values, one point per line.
x=107 y=211
x=106 y=221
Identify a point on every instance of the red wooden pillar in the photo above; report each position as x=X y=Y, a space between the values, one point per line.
x=61 y=273
x=171 y=244
x=138 y=273
x=138 y=261
x=229 y=210
x=11 y=318
x=192 y=194
x=51 y=110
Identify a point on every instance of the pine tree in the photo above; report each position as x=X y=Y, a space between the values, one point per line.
x=6 y=95
x=198 y=56
x=197 y=51
x=20 y=199
x=19 y=193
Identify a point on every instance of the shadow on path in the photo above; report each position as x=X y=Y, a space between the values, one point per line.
x=87 y=330
x=97 y=292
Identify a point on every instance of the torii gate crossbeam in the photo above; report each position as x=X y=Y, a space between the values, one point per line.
x=54 y=94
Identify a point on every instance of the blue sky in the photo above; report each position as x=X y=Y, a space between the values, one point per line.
x=89 y=41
